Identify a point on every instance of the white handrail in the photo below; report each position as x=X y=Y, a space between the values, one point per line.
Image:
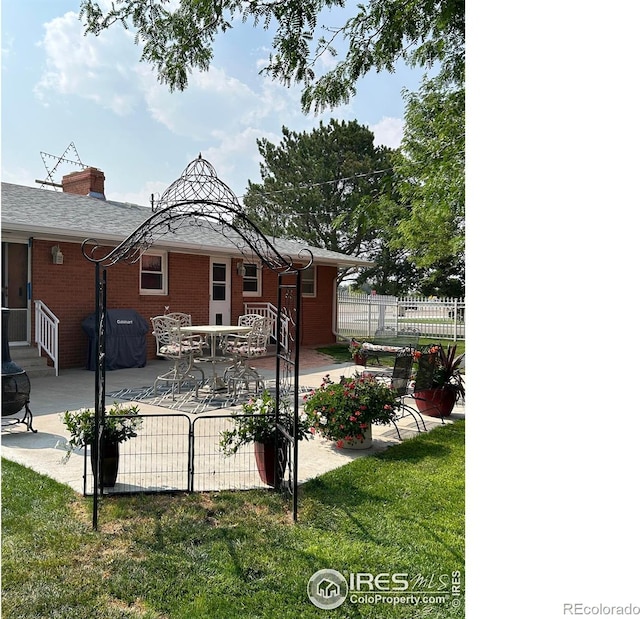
x=271 y=311
x=47 y=332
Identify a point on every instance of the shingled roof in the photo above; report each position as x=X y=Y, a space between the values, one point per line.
x=43 y=213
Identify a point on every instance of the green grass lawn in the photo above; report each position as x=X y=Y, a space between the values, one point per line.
x=237 y=554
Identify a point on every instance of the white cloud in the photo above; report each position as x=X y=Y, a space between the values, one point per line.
x=236 y=158
x=141 y=197
x=18 y=175
x=7 y=46
x=212 y=100
x=388 y=132
x=94 y=68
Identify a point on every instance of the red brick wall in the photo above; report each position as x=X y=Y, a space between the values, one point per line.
x=69 y=291
x=317 y=312
x=84 y=181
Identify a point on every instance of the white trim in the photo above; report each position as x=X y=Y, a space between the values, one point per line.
x=214 y=305
x=313 y=270
x=258 y=279
x=164 y=271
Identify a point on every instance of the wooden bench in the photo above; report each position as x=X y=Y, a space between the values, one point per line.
x=386 y=343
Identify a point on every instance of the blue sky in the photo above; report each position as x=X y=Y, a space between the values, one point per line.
x=59 y=86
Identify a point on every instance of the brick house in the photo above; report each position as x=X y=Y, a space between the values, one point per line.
x=194 y=270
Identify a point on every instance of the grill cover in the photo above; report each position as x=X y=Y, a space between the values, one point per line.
x=126 y=344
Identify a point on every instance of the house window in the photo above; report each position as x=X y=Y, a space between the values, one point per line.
x=153 y=273
x=308 y=282
x=251 y=280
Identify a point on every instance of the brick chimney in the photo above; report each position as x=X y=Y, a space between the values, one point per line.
x=87 y=182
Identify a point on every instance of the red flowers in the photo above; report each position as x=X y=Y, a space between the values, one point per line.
x=341 y=411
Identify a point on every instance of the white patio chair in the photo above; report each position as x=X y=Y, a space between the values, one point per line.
x=185 y=321
x=172 y=344
x=228 y=342
x=243 y=348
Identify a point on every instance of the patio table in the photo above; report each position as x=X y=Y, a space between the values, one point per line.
x=213 y=332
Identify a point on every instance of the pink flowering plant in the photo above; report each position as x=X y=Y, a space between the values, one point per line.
x=342 y=411
x=256 y=423
x=355 y=348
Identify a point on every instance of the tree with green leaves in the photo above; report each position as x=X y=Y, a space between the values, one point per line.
x=323 y=188
x=332 y=188
x=393 y=274
x=432 y=190
x=178 y=37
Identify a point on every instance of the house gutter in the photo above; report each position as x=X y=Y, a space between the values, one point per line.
x=334 y=310
x=49 y=234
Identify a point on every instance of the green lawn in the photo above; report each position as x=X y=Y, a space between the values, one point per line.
x=228 y=555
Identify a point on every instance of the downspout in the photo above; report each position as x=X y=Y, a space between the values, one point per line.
x=334 y=311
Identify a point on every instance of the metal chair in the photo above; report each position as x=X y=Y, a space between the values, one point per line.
x=226 y=342
x=172 y=344
x=399 y=380
x=248 y=320
x=185 y=321
x=245 y=347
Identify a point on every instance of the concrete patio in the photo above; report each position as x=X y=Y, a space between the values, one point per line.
x=74 y=389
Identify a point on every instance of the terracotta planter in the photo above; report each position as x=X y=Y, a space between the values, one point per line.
x=267 y=459
x=366 y=444
x=359 y=359
x=436 y=402
x=110 y=463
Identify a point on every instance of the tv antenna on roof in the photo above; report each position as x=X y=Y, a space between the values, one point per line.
x=59 y=160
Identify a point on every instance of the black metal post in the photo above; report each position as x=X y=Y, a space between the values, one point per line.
x=278 y=481
x=99 y=385
x=296 y=390
x=96 y=402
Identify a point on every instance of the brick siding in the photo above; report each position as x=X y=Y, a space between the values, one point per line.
x=69 y=291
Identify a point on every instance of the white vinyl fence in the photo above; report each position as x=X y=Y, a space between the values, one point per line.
x=367 y=316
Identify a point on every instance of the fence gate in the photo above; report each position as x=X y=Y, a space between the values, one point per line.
x=198 y=198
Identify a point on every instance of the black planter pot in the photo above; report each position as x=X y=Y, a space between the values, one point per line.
x=110 y=463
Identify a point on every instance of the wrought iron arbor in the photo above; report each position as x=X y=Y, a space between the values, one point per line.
x=198 y=198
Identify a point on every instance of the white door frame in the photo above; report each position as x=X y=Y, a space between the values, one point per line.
x=220 y=309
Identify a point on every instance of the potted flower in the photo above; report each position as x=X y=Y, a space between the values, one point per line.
x=439 y=380
x=355 y=348
x=256 y=424
x=344 y=412
x=120 y=424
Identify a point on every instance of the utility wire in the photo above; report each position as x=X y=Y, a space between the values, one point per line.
x=319 y=184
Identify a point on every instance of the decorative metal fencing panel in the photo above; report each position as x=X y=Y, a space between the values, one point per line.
x=176 y=452
x=212 y=469
x=367 y=316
